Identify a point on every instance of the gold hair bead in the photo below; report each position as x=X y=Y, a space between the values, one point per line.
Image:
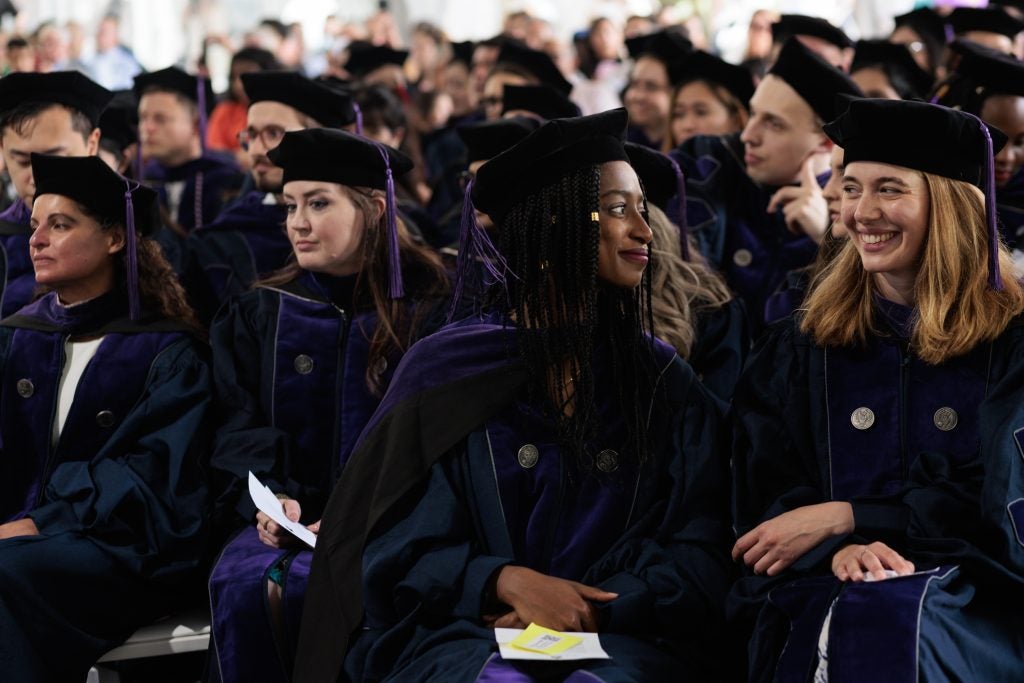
x=554 y=219
x=594 y=216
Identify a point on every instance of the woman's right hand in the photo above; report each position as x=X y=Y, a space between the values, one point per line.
x=272 y=533
x=547 y=601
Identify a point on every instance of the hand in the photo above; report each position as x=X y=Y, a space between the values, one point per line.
x=19 y=527
x=772 y=546
x=850 y=563
x=506 y=620
x=547 y=601
x=804 y=207
x=272 y=533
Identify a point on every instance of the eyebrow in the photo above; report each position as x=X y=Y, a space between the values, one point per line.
x=52 y=150
x=624 y=193
x=306 y=195
x=879 y=181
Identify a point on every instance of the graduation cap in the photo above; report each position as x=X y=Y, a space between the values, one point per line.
x=487 y=139
x=336 y=156
x=463 y=52
x=988 y=72
x=985 y=19
x=906 y=77
x=330 y=106
x=535 y=62
x=364 y=58
x=69 y=88
x=107 y=195
x=928 y=138
x=790 y=25
x=542 y=100
x=814 y=79
x=119 y=122
x=555 y=149
x=701 y=65
x=662 y=179
x=926 y=23
x=670 y=47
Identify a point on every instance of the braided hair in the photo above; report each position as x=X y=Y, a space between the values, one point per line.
x=550 y=242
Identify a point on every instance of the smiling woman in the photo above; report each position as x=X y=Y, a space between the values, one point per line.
x=858 y=421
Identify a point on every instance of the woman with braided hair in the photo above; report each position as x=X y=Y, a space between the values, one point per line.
x=545 y=461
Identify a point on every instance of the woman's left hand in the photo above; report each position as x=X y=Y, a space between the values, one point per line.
x=19 y=527
x=855 y=560
x=774 y=545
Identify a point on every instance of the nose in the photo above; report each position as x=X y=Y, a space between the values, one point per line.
x=865 y=209
x=38 y=238
x=748 y=136
x=641 y=231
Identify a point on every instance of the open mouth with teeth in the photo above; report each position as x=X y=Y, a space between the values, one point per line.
x=876 y=238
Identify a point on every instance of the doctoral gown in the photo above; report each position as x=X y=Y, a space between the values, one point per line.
x=211 y=181
x=245 y=242
x=728 y=214
x=18 y=277
x=290 y=365
x=900 y=440
x=455 y=499
x=120 y=499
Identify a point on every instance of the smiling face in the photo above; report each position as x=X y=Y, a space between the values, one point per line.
x=781 y=133
x=326 y=228
x=70 y=253
x=1006 y=112
x=625 y=235
x=885 y=209
x=647 y=95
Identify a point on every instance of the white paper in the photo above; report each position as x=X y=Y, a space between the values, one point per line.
x=590 y=648
x=270 y=505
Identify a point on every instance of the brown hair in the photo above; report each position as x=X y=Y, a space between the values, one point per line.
x=424 y=279
x=956 y=308
x=680 y=289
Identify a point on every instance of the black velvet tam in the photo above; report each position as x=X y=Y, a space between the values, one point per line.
x=988 y=69
x=814 y=79
x=926 y=137
x=656 y=173
x=487 y=139
x=91 y=183
x=790 y=25
x=69 y=88
x=463 y=52
x=701 y=65
x=554 y=150
x=119 y=122
x=895 y=60
x=364 y=58
x=542 y=100
x=670 y=47
x=173 y=79
x=330 y=106
x=986 y=19
x=926 y=22
x=336 y=156
x=535 y=62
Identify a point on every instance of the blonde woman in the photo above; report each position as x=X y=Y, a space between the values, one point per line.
x=856 y=451
x=693 y=309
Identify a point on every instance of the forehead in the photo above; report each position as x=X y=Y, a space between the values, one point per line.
x=50 y=124
x=695 y=90
x=267 y=113
x=162 y=100
x=47 y=204
x=777 y=97
x=649 y=68
x=867 y=171
x=1005 y=111
x=619 y=175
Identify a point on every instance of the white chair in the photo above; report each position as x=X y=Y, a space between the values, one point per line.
x=188 y=631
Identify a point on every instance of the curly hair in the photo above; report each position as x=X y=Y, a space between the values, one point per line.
x=550 y=242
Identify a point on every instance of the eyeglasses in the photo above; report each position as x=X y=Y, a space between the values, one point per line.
x=270 y=136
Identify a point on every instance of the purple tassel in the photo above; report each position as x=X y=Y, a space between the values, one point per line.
x=684 y=228
x=475 y=247
x=131 y=245
x=359 y=118
x=989 y=181
x=395 y=259
x=197 y=205
x=950 y=33
x=201 y=99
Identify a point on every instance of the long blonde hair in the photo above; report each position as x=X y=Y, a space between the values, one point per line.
x=680 y=289
x=956 y=308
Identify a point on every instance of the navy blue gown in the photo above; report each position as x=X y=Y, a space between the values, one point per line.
x=211 y=181
x=120 y=500
x=290 y=365
x=18 y=278
x=900 y=440
x=1010 y=207
x=454 y=502
x=727 y=213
